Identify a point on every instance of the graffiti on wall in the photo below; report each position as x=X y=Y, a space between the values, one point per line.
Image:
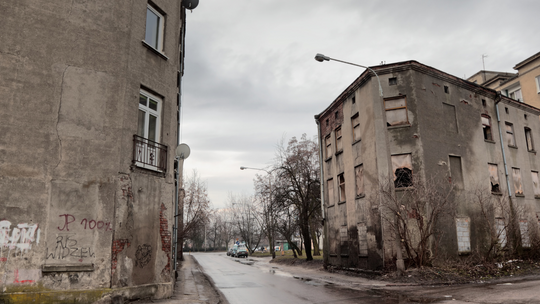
x=66 y=247
x=20 y=237
x=86 y=224
x=143 y=255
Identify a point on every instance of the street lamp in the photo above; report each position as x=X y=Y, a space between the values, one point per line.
x=272 y=248
x=320 y=57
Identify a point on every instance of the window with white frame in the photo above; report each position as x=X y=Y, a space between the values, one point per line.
x=515 y=93
x=155 y=27
x=149 y=116
x=537 y=84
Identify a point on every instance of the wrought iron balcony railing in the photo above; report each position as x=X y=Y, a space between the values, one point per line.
x=149 y=154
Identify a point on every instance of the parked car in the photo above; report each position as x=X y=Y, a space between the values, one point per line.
x=241 y=252
x=230 y=252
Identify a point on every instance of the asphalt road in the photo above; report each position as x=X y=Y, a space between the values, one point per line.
x=256 y=281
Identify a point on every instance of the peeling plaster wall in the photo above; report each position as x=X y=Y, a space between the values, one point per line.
x=75 y=213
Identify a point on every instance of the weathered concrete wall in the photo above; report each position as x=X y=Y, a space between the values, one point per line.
x=76 y=214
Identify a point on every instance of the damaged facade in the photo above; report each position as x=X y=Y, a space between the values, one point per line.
x=427 y=124
x=89 y=127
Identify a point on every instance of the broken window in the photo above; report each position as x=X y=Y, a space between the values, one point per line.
x=359 y=176
x=494 y=178
x=510 y=139
x=486 y=126
x=501 y=231
x=355 y=122
x=339 y=142
x=330 y=186
x=516 y=176
x=341 y=179
x=396 y=111
x=402 y=167
x=524 y=229
x=328 y=143
x=528 y=138
x=463 y=234
x=536 y=184
x=392 y=81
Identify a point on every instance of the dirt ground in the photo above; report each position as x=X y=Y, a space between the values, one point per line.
x=444 y=275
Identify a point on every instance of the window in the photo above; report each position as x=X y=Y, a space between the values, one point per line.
x=456 y=172
x=450 y=121
x=484 y=103
x=355 y=122
x=330 y=186
x=353 y=99
x=149 y=116
x=327 y=122
x=339 y=142
x=510 y=139
x=328 y=143
x=392 y=81
x=402 y=167
x=396 y=111
x=463 y=234
x=501 y=231
x=155 y=24
x=515 y=93
x=486 y=126
x=538 y=84
x=524 y=230
x=528 y=138
x=359 y=177
x=446 y=90
x=341 y=179
x=494 y=179
x=518 y=187
x=536 y=184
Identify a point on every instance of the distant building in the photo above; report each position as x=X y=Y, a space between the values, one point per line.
x=428 y=123
x=89 y=126
x=523 y=86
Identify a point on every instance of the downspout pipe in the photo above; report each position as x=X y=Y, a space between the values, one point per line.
x=321 y=162
x=497 y=100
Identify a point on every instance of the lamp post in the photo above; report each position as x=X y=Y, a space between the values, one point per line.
x=382 y=162
x=271 y=215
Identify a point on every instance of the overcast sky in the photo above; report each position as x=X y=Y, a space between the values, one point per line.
x=250 y=78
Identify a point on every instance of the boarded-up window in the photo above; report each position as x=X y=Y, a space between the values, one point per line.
x=536 y=183
x=500 y=227
x=341 y=179
x=524 y=229
x=328 y=143
x=456 y=173
x=463 y=234
x=355 y=122
x=396 y=111
x=330 y=186
x=450 y=123
x=359 y=177
x=528 y=138
x=339 y=142
x=494 y=178
x=516 y=176
x=402 y=167
x=362 y=240
x=486 y=126
x=510 y=139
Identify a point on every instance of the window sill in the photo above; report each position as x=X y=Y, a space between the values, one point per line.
x=496 y=193
x=344 y=255
x=148 y=46
x=537 y=196
x=404 y=188
x=464 y=253
x=341 y=203
x=361 y=195
x=357 y=141
x=532 y=151
x=513 y=147
x=333 y=255
x=339 y=152
x=328 y=159
x=330 y=206
x=398 y=126
x=520 y=195
x=489 y=141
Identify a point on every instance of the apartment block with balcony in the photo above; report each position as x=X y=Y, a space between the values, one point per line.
x=428 y=125
x=89 y=120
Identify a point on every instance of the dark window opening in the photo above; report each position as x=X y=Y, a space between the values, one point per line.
x=486 y=126
x=403 y=178
x=446 y=90
x=506 y=110
x=327 y=122
x=353 y=99
x=392 y=81
x=525 y=116
x=336 y=115
x=484 y=103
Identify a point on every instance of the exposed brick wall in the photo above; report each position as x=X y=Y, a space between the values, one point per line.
x=117 y=247
x=165 y=239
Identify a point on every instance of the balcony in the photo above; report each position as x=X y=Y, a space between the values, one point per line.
x=149 y=154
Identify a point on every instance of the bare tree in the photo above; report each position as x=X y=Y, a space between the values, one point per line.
x=245 y=219
x=412 y=213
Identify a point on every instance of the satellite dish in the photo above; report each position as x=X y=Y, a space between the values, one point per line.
x=190 y=4
x=182 y=151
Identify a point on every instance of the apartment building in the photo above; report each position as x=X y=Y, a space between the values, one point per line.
x=427 y=124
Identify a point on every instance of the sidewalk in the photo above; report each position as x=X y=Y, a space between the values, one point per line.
x=192 y=287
